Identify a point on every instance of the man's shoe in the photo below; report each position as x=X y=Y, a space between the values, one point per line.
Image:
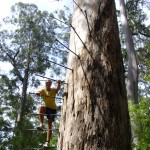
x=46 y=144
x=40 y=128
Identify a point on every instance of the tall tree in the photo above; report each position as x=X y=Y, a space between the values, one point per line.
x=140 y=30
x=132 y=79
x=27 y=45
x=95 y=110
x=136 y=36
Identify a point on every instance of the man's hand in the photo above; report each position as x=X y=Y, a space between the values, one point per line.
x=38 y=93
x=59 y=85
x=59 y=81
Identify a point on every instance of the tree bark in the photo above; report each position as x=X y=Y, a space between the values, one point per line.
x=95 y=111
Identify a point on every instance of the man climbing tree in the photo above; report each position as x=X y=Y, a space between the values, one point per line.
x=95 y=111
x=48 y=94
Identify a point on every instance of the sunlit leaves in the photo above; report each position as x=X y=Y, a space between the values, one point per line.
x=140 y=115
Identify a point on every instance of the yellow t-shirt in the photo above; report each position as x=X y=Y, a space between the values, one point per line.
x=49 y=97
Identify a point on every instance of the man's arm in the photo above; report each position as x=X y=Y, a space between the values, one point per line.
x=38 y=93
x=58 y=85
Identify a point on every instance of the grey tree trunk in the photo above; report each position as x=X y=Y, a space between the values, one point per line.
x=21 y=112
x=95 y=111
x=132 y=80
x=24 y=97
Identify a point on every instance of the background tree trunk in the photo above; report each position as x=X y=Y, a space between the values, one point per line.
x=23 y=99
x=132 y=80
x=95 y=112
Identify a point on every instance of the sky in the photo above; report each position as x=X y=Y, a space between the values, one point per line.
x=48 y=5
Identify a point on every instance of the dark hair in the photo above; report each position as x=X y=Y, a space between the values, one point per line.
x=48 y=81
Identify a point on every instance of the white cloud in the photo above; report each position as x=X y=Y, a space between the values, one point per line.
x=5 y=67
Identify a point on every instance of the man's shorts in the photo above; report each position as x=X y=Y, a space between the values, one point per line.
x=51 y=113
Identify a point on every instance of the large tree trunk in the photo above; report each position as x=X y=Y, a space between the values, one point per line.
x=132 y=80
x=95 y=112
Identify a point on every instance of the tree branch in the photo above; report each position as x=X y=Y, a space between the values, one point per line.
x=16 y=54
x=16 y=69
x=139 y=32
x=147 y=35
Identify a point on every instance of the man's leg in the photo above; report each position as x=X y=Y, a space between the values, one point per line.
x=49 y=132
x=41 y=116
x=49 y=125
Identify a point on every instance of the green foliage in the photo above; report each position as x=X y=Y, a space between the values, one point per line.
x=140 y=115
x=143 y=55
x=136 y=16
x=30 y=39
x=4 y=130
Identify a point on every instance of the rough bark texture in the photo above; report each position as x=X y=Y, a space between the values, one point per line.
x=95 y=112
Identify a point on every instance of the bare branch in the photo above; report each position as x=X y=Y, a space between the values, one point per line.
x=15 y=67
